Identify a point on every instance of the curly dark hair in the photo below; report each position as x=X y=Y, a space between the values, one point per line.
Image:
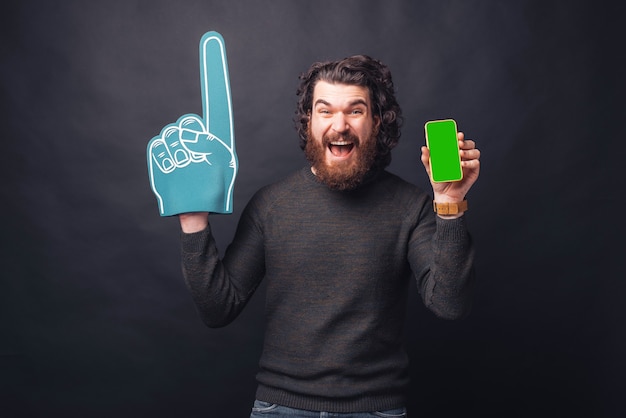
x=360 y=70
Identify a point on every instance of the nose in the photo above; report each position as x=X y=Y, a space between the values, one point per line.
x=340 y=123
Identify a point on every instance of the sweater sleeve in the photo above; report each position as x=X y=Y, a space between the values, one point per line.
x=445 y=273
x=221 y=288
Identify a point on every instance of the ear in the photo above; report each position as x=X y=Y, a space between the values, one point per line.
x=376 y=124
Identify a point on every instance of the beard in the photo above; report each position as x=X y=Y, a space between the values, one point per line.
x=344 y=175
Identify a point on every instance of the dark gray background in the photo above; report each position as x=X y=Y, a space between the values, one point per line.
x=95 y=319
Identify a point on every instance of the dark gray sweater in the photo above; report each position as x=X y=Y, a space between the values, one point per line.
x=337 y=267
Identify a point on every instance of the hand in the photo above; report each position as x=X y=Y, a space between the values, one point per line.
x=470 y=164
x=192 y=163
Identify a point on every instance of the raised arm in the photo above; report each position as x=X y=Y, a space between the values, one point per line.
x=221 y=287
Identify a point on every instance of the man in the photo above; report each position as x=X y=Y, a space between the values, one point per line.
x=337 y=244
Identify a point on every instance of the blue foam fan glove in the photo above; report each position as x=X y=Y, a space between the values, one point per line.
x=192 y=163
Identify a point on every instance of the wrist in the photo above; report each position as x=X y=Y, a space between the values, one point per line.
x=448 y=198
x=193 y=222
x=450 y=210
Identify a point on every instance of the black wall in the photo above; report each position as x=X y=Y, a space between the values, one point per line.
x=95 y=320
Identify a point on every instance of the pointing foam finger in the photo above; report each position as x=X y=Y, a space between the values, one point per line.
x=216 y=96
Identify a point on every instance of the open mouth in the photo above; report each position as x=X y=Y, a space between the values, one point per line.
x=340 y=148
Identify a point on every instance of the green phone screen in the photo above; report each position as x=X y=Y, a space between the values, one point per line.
x=442 y=141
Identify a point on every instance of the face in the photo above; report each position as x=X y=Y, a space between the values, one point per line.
x=342 y=131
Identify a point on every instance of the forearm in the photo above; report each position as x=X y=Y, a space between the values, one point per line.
x=451 y=278
x=220 y=287
x=206 y=279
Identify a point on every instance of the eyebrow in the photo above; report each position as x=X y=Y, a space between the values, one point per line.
x=352 y=103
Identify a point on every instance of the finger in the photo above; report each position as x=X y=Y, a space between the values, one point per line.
x=159 y=153
x=178 y=153
x=193 y=138
x=471 y=164
x=467 y=144
x=425 y=157
x=215 y=85
x=472 y=154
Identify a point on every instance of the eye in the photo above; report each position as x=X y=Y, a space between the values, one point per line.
x=357 y=112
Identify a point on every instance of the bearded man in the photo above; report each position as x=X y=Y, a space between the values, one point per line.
x=337 y=244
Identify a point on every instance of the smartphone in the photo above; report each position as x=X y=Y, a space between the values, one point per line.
x=443 y=144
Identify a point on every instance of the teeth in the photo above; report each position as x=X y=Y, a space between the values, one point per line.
x=340 y=143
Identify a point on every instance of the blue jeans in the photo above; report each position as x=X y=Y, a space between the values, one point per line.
x=265 y=409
